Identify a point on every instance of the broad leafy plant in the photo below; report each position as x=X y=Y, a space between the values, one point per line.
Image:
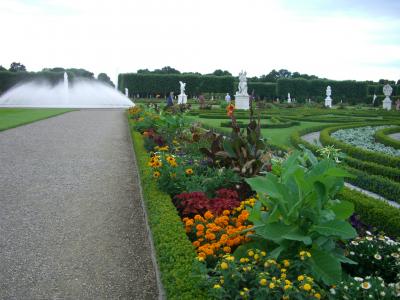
x=302 y=213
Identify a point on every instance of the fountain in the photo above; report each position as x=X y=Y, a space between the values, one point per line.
x=82 y=93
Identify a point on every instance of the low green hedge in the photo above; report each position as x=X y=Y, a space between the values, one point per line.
x=175 y=253
x=381 y=136
x=376 y=184
x=357 y=152
x=374 y=212
x=270 y=126
x=374 y=168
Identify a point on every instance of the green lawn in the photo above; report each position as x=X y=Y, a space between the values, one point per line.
x=278 y=136
x=13 y=117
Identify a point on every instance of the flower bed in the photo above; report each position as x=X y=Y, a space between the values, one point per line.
x=363 y=137
x=261 y=226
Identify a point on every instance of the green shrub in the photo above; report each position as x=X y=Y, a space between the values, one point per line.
x=175 y=254
x=374 y=212
x=381 y=136
x=276 y=125
x=263 y=90
x=373 y=168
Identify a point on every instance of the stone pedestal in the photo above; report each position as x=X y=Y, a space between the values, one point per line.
x=182 y=99
x=242 y=102
x=387 y=103
x=328 y=102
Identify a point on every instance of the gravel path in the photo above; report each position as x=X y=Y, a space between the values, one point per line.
x=71 y=219
x=312 y=138
x=395 y=136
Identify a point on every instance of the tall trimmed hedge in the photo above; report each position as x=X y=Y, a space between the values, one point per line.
x=348 y=90
x=162 y=84
x=262 y=90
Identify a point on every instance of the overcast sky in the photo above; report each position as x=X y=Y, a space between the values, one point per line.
x=336 y=39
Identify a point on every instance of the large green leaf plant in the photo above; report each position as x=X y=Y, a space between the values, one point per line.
x=303 y=214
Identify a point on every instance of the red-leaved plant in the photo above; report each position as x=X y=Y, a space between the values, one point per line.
x=193 y=203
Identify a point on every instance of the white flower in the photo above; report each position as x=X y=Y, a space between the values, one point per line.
x=367 y=232
x=346 y=288
x=377 y=256
x=382 y=294
x=352 y=253
x=366 y=285
x=333 y=292
x=354 y=243
x=369 y=238
x=395 y=255
x=359 y=279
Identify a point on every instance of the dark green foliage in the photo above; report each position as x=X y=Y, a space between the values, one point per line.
x=374 y=212
x=175 y=254
x=2 y=68
x=381 y=136
x=162 y=84
x=219 y=72
x=348 y=91
x=104 y=78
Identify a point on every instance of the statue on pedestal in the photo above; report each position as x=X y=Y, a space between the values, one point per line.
x=328 y=99
x=182 y=98
x=387 y=91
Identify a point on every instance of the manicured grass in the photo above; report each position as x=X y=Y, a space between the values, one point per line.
x=277 y=136
x=13 y=117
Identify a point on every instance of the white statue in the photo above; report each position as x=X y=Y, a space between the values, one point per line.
x=242 y=84
x=289 y=100
x=182 y=87
x=328 y=91
x=328 y=99
x=373 y=99
x=228 y=98
x=387 y=91
x=126 y=92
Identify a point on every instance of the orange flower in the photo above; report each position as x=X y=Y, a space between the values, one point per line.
x=196 y=244
x=200 y=227
x=199 y=218
x=189 y=171
x=227 y=249
x=208 y=215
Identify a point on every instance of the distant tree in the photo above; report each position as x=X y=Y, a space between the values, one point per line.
x=191 y=73
x=104 y=78
x=166 y=70
x=2 y=68
x=143 y=71
x=17 y=67
x=219 y=72
x=283 y=73
x=386 y=81
x=398 y=81
x=270 y=77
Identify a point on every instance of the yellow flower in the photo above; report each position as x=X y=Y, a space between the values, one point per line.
x=250 y=253
x=189 y=171
x=156 y=174
x=287 y=286
x=263 y=281
x=307 y=287
x=366 y=285
x=300 y=278
x=224 y=266
x=263 y=253
x=230 y=258
x=217 y=286
x=256 y=256
x=271 y=285
x=317 y=295
x=286 y=263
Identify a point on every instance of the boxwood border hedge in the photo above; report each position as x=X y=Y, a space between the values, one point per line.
x=175 y=254
x=381 y=136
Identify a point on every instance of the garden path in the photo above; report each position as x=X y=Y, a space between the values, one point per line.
x=314 y=137
x=395 y=136
x=72 y=224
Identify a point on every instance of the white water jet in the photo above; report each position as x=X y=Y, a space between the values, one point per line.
x=82 y=93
